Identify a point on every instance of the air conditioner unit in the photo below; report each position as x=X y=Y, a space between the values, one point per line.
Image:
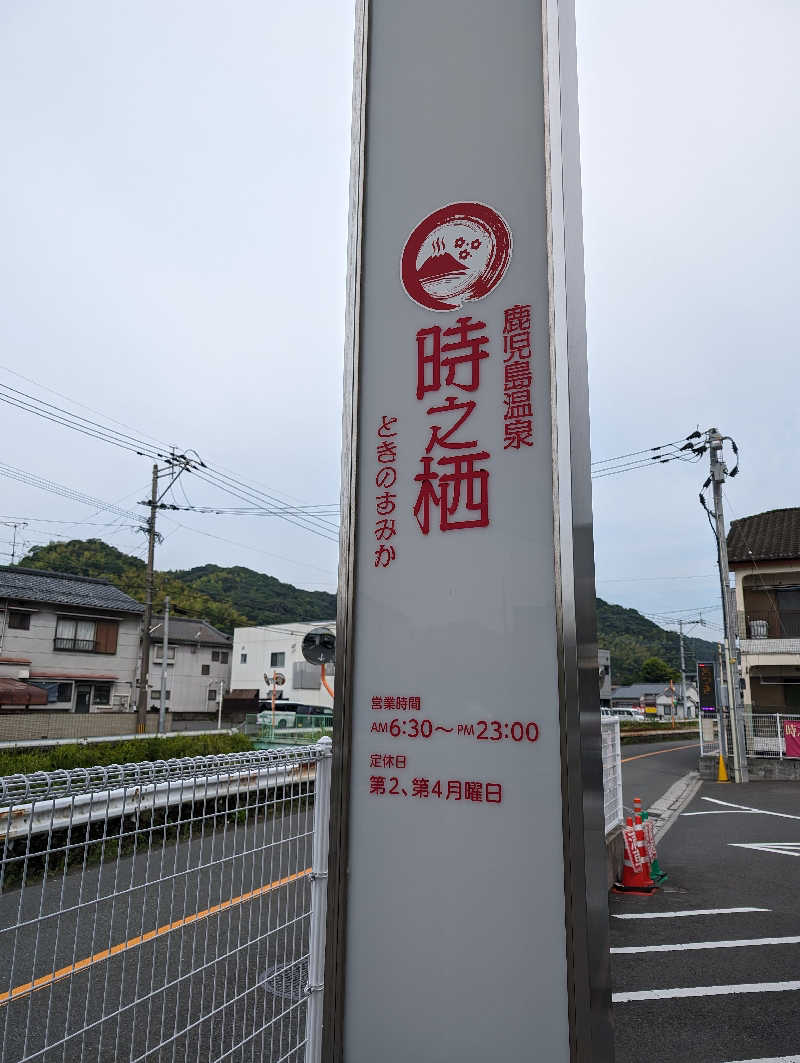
x=119 y=701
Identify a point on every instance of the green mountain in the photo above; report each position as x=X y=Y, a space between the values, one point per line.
x=226 y=597
x=237 y=596
x=632 y=638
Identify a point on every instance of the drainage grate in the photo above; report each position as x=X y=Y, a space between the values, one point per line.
x=288 y=981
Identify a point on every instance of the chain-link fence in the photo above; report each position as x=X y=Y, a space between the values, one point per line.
x=163 y=911
x=612 y=773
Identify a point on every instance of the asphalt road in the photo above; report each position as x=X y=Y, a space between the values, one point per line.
x=721 y=986
x=195 y=990
x=650 y=768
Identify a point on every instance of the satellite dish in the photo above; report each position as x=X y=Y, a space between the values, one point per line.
x=319 y=646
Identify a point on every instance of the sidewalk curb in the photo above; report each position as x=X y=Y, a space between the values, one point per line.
x=670 y=805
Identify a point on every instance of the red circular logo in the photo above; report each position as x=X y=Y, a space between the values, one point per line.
x=455 y=255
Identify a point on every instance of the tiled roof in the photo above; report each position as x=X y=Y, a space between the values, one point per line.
x=59 y=588
x=770 y=536
x=636 y=690
x=199 y=632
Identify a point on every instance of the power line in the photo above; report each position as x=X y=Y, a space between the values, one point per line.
x=313 y=522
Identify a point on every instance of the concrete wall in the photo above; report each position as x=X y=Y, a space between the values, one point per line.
x=765 y=768
x=32 y=725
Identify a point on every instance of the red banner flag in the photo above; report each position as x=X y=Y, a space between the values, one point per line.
x=791 y=736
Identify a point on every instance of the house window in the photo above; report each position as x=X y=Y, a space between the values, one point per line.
x=86 y=636
x=243 y=659
x=223 y=657
x=19 y=621
x=212 y=693
x=64 y=692
x=159 y=652
x=277 y=660
x=215 y=655
x=205 y=669
x=102 y=694
x=155 y=694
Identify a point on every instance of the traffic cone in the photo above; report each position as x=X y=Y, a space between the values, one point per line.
x=635 y=872
x=722 y=771
x=657 y=873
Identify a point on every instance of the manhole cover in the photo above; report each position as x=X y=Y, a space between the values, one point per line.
x=287 y=981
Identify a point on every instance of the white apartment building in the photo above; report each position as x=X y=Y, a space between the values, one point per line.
x=259 y=652
x=198 y=667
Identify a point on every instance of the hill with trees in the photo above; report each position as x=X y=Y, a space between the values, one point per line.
x=226 y=597
x=237 y=596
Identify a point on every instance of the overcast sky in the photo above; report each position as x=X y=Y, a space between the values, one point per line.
x=173 y=208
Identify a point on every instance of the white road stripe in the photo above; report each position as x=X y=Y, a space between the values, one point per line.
x=742 y=943
x=781 y=848
x=772 y=1059
x=692 y=911
x=747 y=808
x=721 y=812
x=706 y=991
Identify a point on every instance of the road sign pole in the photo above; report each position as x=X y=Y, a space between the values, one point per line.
x=467 y=839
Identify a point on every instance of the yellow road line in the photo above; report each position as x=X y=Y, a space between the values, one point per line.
x=656 y=752
x=98 y=957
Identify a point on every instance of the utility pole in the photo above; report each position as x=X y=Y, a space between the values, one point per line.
x=144 y=666
x=719 y=472
x=176 y=464
x=14 y=524
x=700 y=621
x=162 y=708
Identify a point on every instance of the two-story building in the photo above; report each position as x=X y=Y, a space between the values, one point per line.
x=198 y=667
x=764 y=557
x=73 y=638
x=260 y=653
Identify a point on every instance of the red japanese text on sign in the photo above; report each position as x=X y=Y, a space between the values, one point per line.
x=517 y=378
x=386 y=501
x=455 y=484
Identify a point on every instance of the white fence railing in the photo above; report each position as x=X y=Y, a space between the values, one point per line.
x=612 y=773
x=166 y=911
x=774 y=734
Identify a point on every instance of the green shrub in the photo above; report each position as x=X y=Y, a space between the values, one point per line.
x=55 y=758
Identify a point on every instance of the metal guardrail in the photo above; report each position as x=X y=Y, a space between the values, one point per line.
x=165 y=911
x=612 y=773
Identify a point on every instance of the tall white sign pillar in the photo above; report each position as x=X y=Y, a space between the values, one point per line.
x=467 y=897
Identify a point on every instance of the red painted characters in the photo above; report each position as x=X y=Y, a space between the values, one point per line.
x=453 y=479
x=386 y=501
x=518 y=378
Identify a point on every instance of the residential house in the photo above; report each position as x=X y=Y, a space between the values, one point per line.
x=657 y=699
x=764 y=557
x=263 y=654
x=198 y=667
x=73 y=638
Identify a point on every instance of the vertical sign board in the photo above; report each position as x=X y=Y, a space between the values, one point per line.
x=467 y=895
x=707 y=686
